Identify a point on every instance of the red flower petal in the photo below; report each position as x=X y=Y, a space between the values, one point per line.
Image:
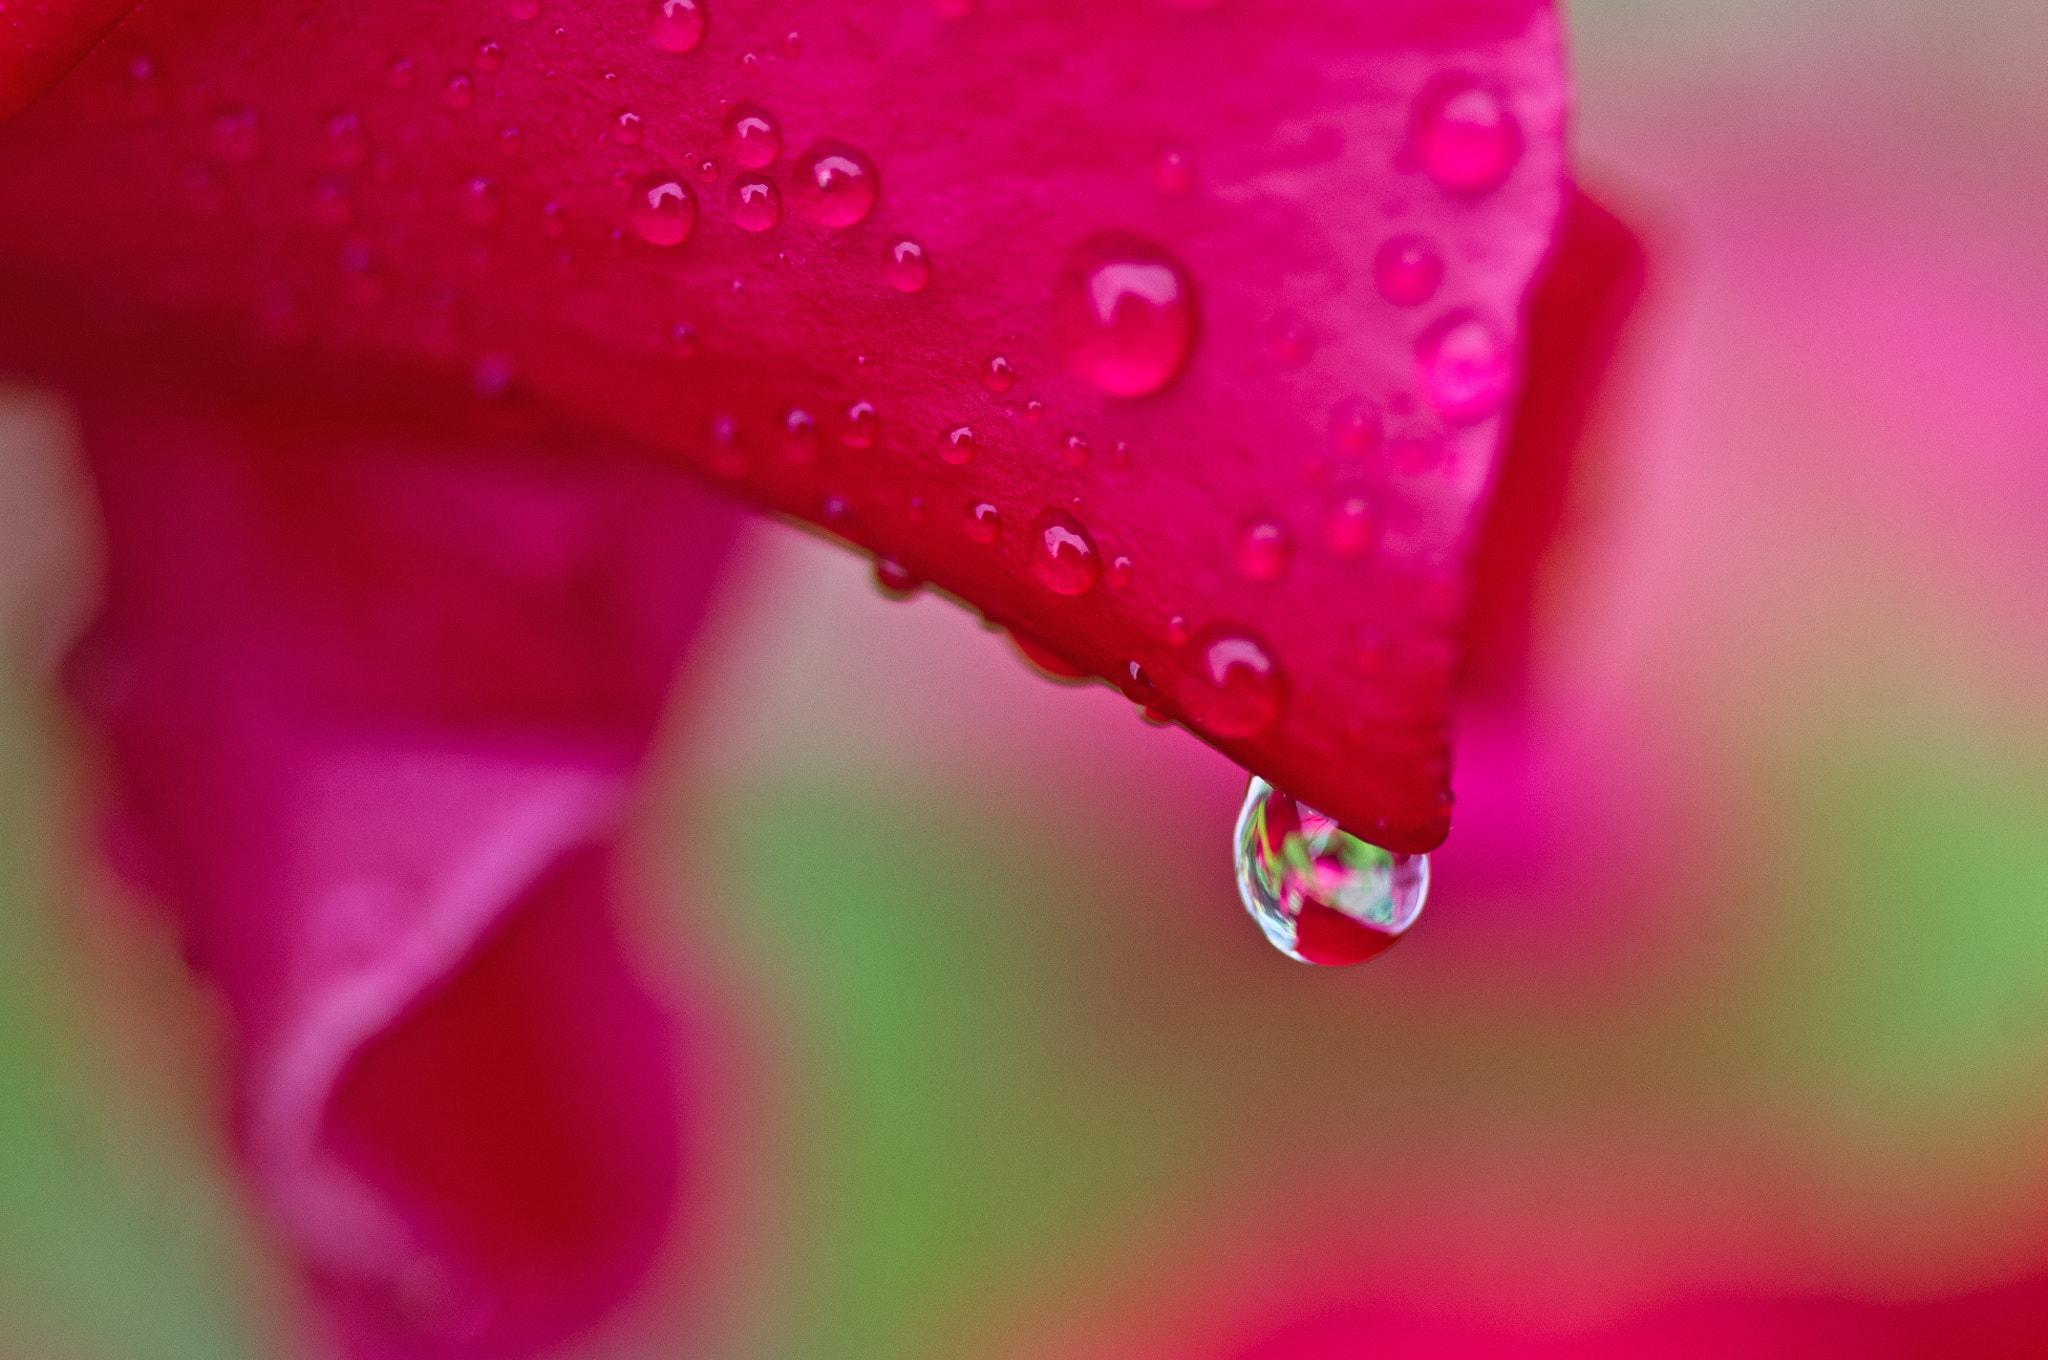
x=373 y=708
x=1251 y=270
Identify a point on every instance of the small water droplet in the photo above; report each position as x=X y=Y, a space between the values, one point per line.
x=1120 y=572
x=626 y=127
x=1320 y=894
x=202 y=190
x=799 y=436
x=1173 y=170
x=401 y=74
x=1292 y=342
x=678 y=24
x=683 y=340
x=554 y=219
x=346 y=142
x=1351 y=528
x=752 y=137
x=1000 y=375
x=1408 y=270
x=861 y=423
x=1063 y=555
x=662 y=209
x=491 y=376
x=1263 y=550
x=984 y=522
x=895 y=580
x=1463 y=366
x=1230 y=686
x=749 y=63
x=459 y=92
x=1176 y=631
x=958 y=445
x=834 y=185
x=754 y=203
x=509 y=140
x=1074 y=450
x=1124 y=315
x=1356 y=427
x=332 y=205
x=792 y=44
x=910 y=269
x=707 y=171
x=836 y=509
x=1464 y=136
x=237 y=135
x=489 y=56
x=727 y=459
x=1034 y=411
x=481 y=202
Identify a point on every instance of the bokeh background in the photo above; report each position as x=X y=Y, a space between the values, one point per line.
x=1736 y=974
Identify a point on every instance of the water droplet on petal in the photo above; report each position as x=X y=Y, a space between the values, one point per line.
x=237 y=136
x=1034 y=411
x=837 y=509
x=489 y=56
x=752 y=137
x=834 y=185
x=401 y=74
x=1351 y=528
x=895 y=580
x=678 y=24
x=958 y=445
x=1464 y=135
x=346 y=142
x=755 y=204
x=491 y=376
x=984 y=522
x=792 y=44
x=1229 y=685
x=1463 y=366
x=481 y=203
x=1074 y=450
x=1173 y=170
x=1408 y=270
x=861 y=422
x=459 y=92
x=1320 y=894
x=1120 y=572
x=509 y=140
x=1063 y=556
x=799 y=436
x=1124 y=315
x=554 y=219
x=1292 y=343
x=1263 y=550
x=626 y=127
x=1000 y=375
x=910 y=269
x=662 y=209
x=1356 y=427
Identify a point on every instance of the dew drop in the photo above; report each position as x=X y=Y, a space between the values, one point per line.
x=752 y=137
x=678 y=24
x=1292 y=343
x=799 y=436
x=1000 y=375
x=491 y=376
x=1319 y=893
x=1034 y=411
x=626 y=127
x=707 y=171
x=1463 y=367
x=834 y=185
x=958 y=445
x=910 y=269
x=754 y=203
x=662 y=209
x=792 y=44
x=1063 y=556
x=481 y=202
x=509 y=140
x=836 y=508
x=346 y=142
x=459 y=92
x=401 y=74
x=1263 y=550
x=1356 y=427
x=1351 y=528
x=984 y=522
x=1408 y=270
x=1464 y=135
x=1230 y=685
x=237 y=135
x=489 y=56
x=1120 y=572
x=554 y=219
x=1074 y=450
x=895 y=580
x=859 y=430
x=1124 y=315
x=1173 y=170
x=331 y=203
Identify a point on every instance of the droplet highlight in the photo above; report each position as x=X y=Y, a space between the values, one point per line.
x=1464 y=136
x=910 y=269
x=661 y=209
x=1263 y=550
x=999 y=375
x=958 y=445
x=1063 y=555
x=834 y=185
x=984 y=522
x=678 y=25
x=1229 y=685
x=1124 y=315
x=1320 y=894
x=1463 y=366
x=1408 y=270
x=752 y=137
x=755 y=204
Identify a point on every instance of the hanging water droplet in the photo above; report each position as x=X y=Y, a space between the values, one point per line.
x=1464 y=135
x=752 y=137
x=910 y=269
x=237 y=136
x=1263 y=550
x=984 y=522
x=626 y=127
x=1063 y=556
x=1463 y=366
x=678 y=24
x=958 y=445
x=1351 y=528
x=861 y=422
x=1124 y=315
x=754 y=203
x=895 y=580
x=1320 y=894
x=1229 y=685
x=662 y=209
x=489 y=56
x=1000 y=375
x=459 y=92
x=1408 y=270
x=834 y=185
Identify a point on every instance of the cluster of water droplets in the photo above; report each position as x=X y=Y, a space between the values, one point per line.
x=1320 y=894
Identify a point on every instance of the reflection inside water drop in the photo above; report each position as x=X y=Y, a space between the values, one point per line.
x=1321 y=894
